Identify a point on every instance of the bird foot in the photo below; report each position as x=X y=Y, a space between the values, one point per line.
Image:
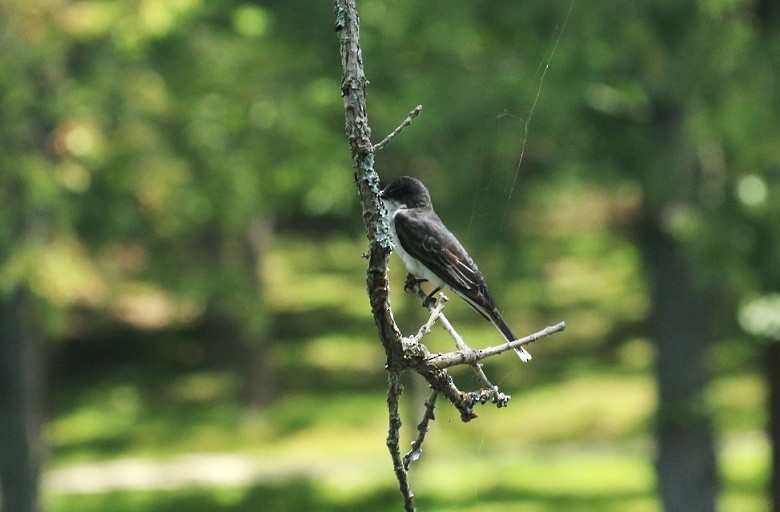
x=429 y=301
x=412 y=284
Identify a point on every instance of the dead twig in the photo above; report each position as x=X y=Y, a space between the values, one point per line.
x=394 y=391
x=422 y=430
x=414 y=113
x=472 y=356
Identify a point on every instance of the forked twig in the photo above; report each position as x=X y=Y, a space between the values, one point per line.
x=413 y=286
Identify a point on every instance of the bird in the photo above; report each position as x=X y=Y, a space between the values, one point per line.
x=431 y=253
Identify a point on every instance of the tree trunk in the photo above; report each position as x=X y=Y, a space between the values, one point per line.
x=685 y=462
x=20 y=390
x=258 y=381
x=767 y=13
x=242 y=338
x=773 y=378
x=228 y=344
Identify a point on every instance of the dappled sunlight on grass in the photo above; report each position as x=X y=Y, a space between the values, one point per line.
x=745 y=459
x=296 y=412
x=636 y=354
x=538 y=454
x=571 y=483
x=588 y=408
x=737 y=401
x=192 y=410
x=592 y=409
x=335 y=353
x=291 y=292
x=337 y=277
x=298 y=428
x=744 y=467
x=574 y=481
x=576 y=436
x=202 y=387
x=99 y=422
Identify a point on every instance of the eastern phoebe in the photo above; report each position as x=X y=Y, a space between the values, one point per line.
x=431 y=253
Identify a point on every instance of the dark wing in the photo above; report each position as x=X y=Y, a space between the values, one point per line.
x=424 y=236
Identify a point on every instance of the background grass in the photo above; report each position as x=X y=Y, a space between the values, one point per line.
x=577 y=434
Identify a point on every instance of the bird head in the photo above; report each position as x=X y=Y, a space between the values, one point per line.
x=406 y=192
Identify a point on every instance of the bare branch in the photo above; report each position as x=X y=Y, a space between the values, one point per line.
x=497 y=397
x=436 y=314
x=422 y=429
x=413 y=286
x=353 y=91
x=414 y=113
x=472 y=356
x=394 y=391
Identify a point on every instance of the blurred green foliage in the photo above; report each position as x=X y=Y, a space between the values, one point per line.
x=145 y=144
x=149 y=147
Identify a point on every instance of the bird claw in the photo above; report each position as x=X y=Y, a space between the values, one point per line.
x=412 y=284
x=429 y=301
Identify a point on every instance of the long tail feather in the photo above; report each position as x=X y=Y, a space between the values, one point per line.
x=522 y=353
x=495 y=319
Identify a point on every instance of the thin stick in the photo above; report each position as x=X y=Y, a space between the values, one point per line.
x=437 y=314
x=422 y=429
x=497 y=396
x=472 y=356
x=394 y=390
x=414 y=113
